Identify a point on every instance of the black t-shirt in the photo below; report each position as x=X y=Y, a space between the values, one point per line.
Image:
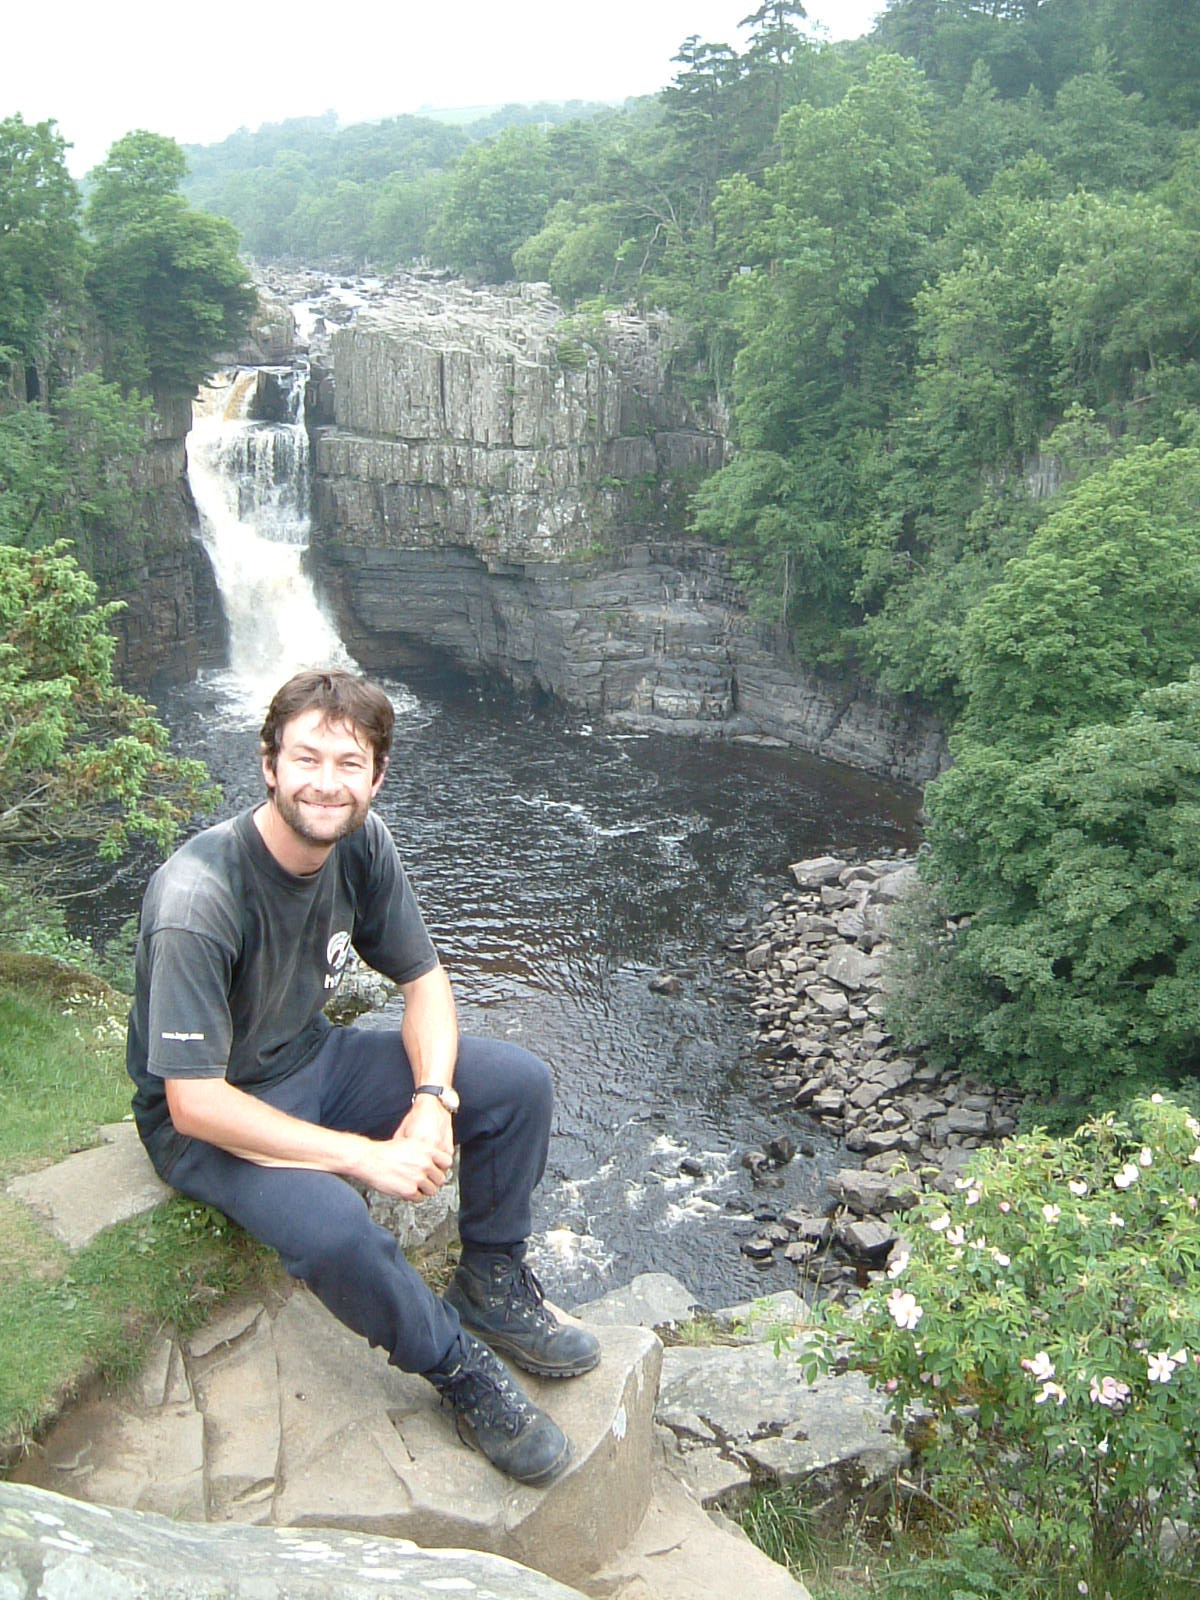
x=237 y=958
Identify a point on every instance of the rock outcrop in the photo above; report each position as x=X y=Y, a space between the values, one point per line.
x=156 y=566
x=501 y=484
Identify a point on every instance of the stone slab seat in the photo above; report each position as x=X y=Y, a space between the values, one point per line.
x=369 y=1448
x=287 y=1417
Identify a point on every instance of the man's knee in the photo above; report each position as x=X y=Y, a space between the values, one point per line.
x=508 y=1075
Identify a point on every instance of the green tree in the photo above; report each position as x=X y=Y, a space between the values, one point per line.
x=41 y=247
x=832 y=251
x=499 y=196
x=165 y=280
x=66 y=470
x=80 y=760
x=1065 y=832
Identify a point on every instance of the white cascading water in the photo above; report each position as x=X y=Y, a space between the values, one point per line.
x=251 y=486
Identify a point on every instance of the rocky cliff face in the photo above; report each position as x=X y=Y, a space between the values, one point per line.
x=496 y=482
x=159 y=570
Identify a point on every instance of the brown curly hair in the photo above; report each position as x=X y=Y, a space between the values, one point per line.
x=340 y=697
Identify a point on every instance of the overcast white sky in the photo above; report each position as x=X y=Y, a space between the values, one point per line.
x=199 y=71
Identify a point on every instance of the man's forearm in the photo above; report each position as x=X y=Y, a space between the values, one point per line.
x=219 y=1113
x=215 y=1111
x=430 y=1028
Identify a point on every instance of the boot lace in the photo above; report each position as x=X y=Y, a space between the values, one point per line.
x=478 y=1392
x=525 y=1297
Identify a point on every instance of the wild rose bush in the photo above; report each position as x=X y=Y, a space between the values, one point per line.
x=1046 y=1323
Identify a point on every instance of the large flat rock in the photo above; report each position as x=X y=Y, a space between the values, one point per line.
x=745 y=1417
x=288 y=1418
x=81 y=1196
x=367 y=1447
x=54 y=1547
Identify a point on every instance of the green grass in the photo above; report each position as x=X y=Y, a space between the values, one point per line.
x=908 y=1556
x=69 y=1320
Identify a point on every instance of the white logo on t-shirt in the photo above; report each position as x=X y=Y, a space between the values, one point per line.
x=336 y=953
x=184 y=1038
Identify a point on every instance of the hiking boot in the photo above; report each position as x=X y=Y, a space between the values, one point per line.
x=493 y=1409
x=499 y=1300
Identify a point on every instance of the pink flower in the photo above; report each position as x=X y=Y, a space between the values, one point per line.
x=892 y=1385
x=1108 y=1392
x=1051 y=1391
x=1041 y=1366
x=957 y=1236
x=904 y=1310
x=974 y=1196
x=1051 y=1213
x=1004 y=1205
x=896 y=1267
x=940 y=1224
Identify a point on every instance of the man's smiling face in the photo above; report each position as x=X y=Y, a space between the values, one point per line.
x=322 y=783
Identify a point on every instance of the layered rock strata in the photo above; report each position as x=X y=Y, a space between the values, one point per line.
x=504 y=486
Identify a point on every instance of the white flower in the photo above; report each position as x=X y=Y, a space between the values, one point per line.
x=1078 y=1188
x=1000 y=1258
x=905 y=1311
x=1114 y=1220
x=940 y=1224
x=1040 y=1366
x=957 y=1236
x=1102 y=1447
x=1128 y=1175
x=1146 y=1156
x=1193 y=1127
x=1179 y=1357
x=1160 y=1367
x=1195 y=1155
x=896 y=1267
x=1051 y=1213
x=974 y=1196
x=1051 y=1391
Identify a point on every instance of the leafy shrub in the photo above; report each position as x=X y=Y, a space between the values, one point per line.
x=1041 y=1331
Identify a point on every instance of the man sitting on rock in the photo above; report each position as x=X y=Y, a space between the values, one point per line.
x=248 y=1099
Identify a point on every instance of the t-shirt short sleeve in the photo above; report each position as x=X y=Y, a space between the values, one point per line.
x=390 y=933
x=190 y=1030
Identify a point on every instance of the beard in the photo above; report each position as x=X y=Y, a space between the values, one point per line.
x=308 y=825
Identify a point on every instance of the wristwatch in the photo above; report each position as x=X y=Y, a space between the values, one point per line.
x=443 y=1092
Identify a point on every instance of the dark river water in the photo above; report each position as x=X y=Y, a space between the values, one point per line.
x=560 y=868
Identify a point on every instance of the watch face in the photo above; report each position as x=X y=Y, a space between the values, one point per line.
x=449 y=1098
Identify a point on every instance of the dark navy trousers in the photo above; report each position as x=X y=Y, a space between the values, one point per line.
x=360 y=1081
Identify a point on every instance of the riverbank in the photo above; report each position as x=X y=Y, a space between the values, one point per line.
x=812 y=966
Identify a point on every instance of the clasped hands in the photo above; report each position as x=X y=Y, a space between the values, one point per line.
x=415 y=1162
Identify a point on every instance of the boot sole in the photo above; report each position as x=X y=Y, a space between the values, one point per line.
x=527 y=1363
x=514 y=1353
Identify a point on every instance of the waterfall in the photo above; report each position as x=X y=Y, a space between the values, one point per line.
x=250 y=480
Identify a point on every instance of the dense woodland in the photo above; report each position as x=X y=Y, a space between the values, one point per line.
x=945 y=280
